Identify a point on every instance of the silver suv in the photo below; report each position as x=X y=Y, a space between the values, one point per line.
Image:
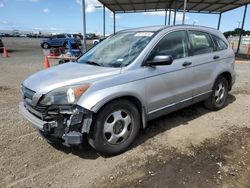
x=131 y=77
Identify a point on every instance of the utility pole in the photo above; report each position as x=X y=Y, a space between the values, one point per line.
x=84 y=44
x=104 y=22
x=242 y=27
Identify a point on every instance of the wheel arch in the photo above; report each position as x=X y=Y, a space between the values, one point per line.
x=228 y=77
x=139 y=105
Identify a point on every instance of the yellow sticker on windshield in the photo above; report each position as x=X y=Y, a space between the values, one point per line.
x=144 y=34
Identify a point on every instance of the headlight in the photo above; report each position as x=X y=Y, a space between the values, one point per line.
x=65 y=95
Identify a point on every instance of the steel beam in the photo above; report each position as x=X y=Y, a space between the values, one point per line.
x=218 y=27
x=231 y=3
x=166 y=12
x=184 y=11
x=233 y=8
x=174 y=16
x=198 y=12
x=114 y=21
x=242 y=27
x=169 y=16
x=196 y=3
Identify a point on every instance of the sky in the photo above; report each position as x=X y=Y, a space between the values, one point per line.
x=65 y=16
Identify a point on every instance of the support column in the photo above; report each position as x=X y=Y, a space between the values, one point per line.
x=169 y=16
x=242 y=27
x=104 y=22
x=218 y=27
x=174 y=16
x=166 y=12
x=184 y=12
x=84 y=44
x=114 y=21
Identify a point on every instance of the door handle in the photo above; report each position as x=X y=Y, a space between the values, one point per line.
x=185 y=64
x=216 y=57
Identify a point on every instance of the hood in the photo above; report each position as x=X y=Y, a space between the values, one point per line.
x=67 y=74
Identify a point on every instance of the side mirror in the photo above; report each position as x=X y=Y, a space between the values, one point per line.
x=160 y=60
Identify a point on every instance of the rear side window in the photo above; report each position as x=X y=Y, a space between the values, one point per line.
x=201 y=42
x=60 y=36
x=69 y=36
x=174 y=44
x=219 y=43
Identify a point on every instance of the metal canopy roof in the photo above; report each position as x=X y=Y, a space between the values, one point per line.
x=202 y=6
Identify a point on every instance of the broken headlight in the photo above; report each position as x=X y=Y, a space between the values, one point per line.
x=64 y=95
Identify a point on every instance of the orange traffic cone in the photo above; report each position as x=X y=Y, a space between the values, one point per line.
x=46 y=62
x=5 y=52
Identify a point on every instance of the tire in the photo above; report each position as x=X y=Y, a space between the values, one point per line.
x=115 y=128
x=45 y=45
x=61 y=62
x=217 y=100
x=66 y=45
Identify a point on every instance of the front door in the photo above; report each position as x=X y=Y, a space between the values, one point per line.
x=169 y=86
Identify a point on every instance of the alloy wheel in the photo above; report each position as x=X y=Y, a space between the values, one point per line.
x=219 y=94
x=117 y=127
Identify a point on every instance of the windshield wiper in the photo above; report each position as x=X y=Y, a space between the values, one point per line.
x=92 y=63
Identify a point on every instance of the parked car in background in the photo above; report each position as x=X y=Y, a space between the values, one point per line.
x=4 y=35
x=1 y=43
x=91 y=36
x=96 y=41
x=79 y=36
x=60 y=40
x=126 y=80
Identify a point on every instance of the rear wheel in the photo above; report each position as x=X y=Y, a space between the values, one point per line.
x=115 y=127
x=66 y=45
x=45 y=45
x=217 y=100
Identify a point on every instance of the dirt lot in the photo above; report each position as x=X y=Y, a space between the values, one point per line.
x=189 y=148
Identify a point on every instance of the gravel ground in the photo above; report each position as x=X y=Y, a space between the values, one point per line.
x=193 y=147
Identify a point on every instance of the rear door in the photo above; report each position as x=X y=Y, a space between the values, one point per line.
x=203 y=58
x=53 y=41
x=61 y=39
x=169 y=85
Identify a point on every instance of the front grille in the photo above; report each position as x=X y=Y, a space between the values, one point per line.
x=39 y=111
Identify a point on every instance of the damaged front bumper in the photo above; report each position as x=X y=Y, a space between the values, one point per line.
x=66 y=123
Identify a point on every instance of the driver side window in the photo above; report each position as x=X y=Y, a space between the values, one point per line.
x=174 y=44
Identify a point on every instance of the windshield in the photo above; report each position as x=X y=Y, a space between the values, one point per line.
x=118 y=50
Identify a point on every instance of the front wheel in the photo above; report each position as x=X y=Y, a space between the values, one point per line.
x=115 y=128
x=217 y=100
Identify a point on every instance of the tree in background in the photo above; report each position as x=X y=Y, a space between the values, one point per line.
x=236 y=32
